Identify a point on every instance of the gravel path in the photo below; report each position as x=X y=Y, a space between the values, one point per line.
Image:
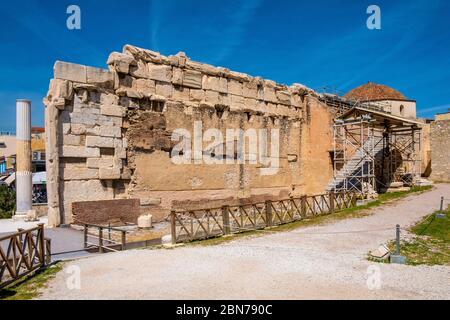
x=321 y=262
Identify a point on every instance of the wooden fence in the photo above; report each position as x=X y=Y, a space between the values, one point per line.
x=213 y=222
x=22 y=253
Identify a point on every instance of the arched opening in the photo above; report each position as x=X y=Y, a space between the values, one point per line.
x=402 y=109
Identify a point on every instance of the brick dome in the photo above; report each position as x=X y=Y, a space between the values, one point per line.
x=373 y=91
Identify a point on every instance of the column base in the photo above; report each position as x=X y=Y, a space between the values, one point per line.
x=28 y=216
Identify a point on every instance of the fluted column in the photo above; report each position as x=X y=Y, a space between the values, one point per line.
x=23 y=158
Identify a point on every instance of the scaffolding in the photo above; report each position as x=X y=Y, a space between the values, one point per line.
x=372 y=149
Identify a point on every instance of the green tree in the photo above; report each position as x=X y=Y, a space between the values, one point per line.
x=7 y=202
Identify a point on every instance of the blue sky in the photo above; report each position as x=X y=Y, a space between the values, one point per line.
x=318 y=43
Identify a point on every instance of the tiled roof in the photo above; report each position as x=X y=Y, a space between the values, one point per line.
x=373 y=91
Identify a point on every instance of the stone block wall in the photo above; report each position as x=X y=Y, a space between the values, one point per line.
x=440 y=151
x=109 y=133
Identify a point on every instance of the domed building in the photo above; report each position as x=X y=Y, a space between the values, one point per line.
x=389 y=99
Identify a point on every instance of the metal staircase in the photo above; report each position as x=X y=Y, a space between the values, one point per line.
x=358 y=171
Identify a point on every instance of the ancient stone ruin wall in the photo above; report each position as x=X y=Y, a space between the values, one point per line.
x=109 y=134
x=440 y=151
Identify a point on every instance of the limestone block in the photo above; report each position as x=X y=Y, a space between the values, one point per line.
x=121 y=62
x=71 y=140
x=164 y=89
x=145 y=221
x=224 y=99
x=110 y=131
x=93 y=130
x=180 y=93
x=192 y=79
x=96 y=163
x=196 y=95
x=79 y=152
x=140 y=70
x=212 y=96
x=108 y=98
x=237 y=102
x=99 y=142
x=83 y=118
x=269 y=94
x=59 y=103
x=112 y=110
x=79 y=174
x=250 y=89
x=250 y=103
x=215 y=84
x=234 y=87
x=130 y=93
x=70 y=71
x=284 y=97
x=109 y=173
x=177 y=76
x=61 y=89
x=100 y=77
x=65 y=128
x=76 y=128
x=145 y=86
x=160 y=73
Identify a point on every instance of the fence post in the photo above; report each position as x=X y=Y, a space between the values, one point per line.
x=303 y=205
x=41 y=243
x=48 y=246
x=226 y=220
x=85 y=236
x=124 y=239
x=173 y=229
x=269 y=217
x=331 y=195
x=397 y=239
x=100 y=239
x=442 y=205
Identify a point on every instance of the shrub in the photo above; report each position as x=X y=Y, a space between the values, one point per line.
x=7 y=202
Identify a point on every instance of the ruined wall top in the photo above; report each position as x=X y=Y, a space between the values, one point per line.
x=144 y=74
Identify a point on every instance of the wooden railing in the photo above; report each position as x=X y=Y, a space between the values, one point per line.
x=213 y=222
x=106 y=238
x=22 y=253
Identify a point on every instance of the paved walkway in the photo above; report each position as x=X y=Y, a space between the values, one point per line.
x=320 y=262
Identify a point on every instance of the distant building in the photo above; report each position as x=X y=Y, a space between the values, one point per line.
x=443 y=116
x=8 y=151
x=392 y=101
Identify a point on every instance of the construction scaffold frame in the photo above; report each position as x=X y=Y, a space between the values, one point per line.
x=368 y=157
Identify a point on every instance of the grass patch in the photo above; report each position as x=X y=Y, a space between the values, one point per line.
x=431 y=243
x=355 y=212
x=30 y=286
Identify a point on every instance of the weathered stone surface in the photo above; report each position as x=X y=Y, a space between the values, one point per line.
x=70 y=71
x=196 y=95
x=192 y=79
x=145 y=221
x=284 y=97
x=71 y=140
x=99 y=142
x=96 y=163
x=111 y=110
x=234 y=87
x=145 y=86
x=177 y=76
x=180 y=93
x=250 y=89
x=80 y=174
x=104 y=211
x=109 y=173
x=79 y=152
x=160 y=73
x=130 y=93
x=140 y=70
x=121 y=62
x=215 y=84
x=110 y=131
x=60 y=89
x=164 y=89
x=100 y=77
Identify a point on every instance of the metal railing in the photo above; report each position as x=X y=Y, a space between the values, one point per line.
x=22 y=253
x=105 y=237
x=213 y=222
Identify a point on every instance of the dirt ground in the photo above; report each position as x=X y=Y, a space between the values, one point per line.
x=320 y=262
